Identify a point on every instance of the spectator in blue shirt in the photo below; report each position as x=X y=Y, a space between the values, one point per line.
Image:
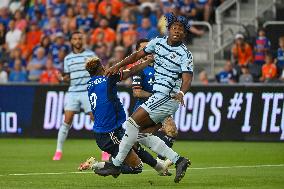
x=188 y=9
x=84 y=20
x=36 y=65
x=53 y=28
x=56 y=47
x=17 y=74
x=228 y=75
x=16 y=55
x=147 y=12
x=280 y=53
x=59 y=8
x=34 y=9
x=4 y=16
x=45 y=43
x=47 y=18
x=146 y=31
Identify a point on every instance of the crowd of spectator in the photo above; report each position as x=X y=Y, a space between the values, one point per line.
x=34 y=34
x=34 y=37
x=252 y=63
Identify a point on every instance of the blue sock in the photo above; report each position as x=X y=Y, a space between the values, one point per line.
x=145 y=156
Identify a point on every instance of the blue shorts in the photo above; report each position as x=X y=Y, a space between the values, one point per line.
x=109 y=142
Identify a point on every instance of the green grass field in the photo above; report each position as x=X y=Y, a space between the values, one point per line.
x=26 y=163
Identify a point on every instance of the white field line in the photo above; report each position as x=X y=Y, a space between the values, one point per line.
x=147 y=170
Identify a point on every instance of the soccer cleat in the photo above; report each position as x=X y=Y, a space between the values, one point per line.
x=87 y=165
x=109 y=169
x=181 y=168
x=57 y=156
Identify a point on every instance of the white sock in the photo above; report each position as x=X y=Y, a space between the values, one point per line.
x=158 y=146
x=62 y=135
x=159 y=167
x=98 y=165
x=128 y=140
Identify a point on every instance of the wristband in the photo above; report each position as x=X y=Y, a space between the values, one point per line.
x=181 y=93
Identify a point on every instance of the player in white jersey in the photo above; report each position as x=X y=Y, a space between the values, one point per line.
x=173 y=75
x=77 y=96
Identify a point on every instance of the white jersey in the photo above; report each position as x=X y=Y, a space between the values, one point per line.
x=74 y=64
x=170 y=63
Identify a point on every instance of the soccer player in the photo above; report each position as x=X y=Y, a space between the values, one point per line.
x=142 y=87
x=173 y=76
x=77 y=95
x=109 y=116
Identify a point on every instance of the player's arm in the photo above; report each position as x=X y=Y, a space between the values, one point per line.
x=185 y=86
x=64 y=77
x=186 y=82
x=128 y=60
x=187 y=75
x=136 y=68
x=140 y=93
x=149 y=49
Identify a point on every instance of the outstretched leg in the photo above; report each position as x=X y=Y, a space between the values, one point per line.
x=63 y=133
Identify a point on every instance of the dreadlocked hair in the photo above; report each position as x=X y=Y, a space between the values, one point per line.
x=171 y=18
x=92 y=64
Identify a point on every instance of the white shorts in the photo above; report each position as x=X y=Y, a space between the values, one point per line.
x=74 y=101
x=160 y=106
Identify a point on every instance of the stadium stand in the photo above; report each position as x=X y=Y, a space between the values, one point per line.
x=30 y=26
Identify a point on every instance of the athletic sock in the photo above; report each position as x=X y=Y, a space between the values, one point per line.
x=145 y=156
x=98 y=165
x=62 y=135
x=128 y=140
x=158 y=146
x=167 y=139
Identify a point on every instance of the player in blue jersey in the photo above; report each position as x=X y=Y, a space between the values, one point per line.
x=173 y=75
x=142 y=87
x=76 y=97
x=109 y=116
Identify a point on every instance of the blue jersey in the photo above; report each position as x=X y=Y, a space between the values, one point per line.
x=280 y=58
x=224 y=77
x=143 y=80
x=106 y=106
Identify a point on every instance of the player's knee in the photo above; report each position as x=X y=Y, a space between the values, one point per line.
x=68 y=118
x=68 y=121
x=141 y=117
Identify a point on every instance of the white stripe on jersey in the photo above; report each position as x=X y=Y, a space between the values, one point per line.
x=170 y=63
x=74 y=64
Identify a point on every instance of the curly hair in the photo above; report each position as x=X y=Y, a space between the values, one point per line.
x=92 y=65
x=171 y=18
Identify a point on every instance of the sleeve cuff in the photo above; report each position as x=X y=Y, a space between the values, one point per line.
x=144 y=49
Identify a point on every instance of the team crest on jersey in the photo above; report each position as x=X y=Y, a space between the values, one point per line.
x=173 y=56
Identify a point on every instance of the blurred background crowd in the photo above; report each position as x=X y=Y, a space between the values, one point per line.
x=34 y=37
